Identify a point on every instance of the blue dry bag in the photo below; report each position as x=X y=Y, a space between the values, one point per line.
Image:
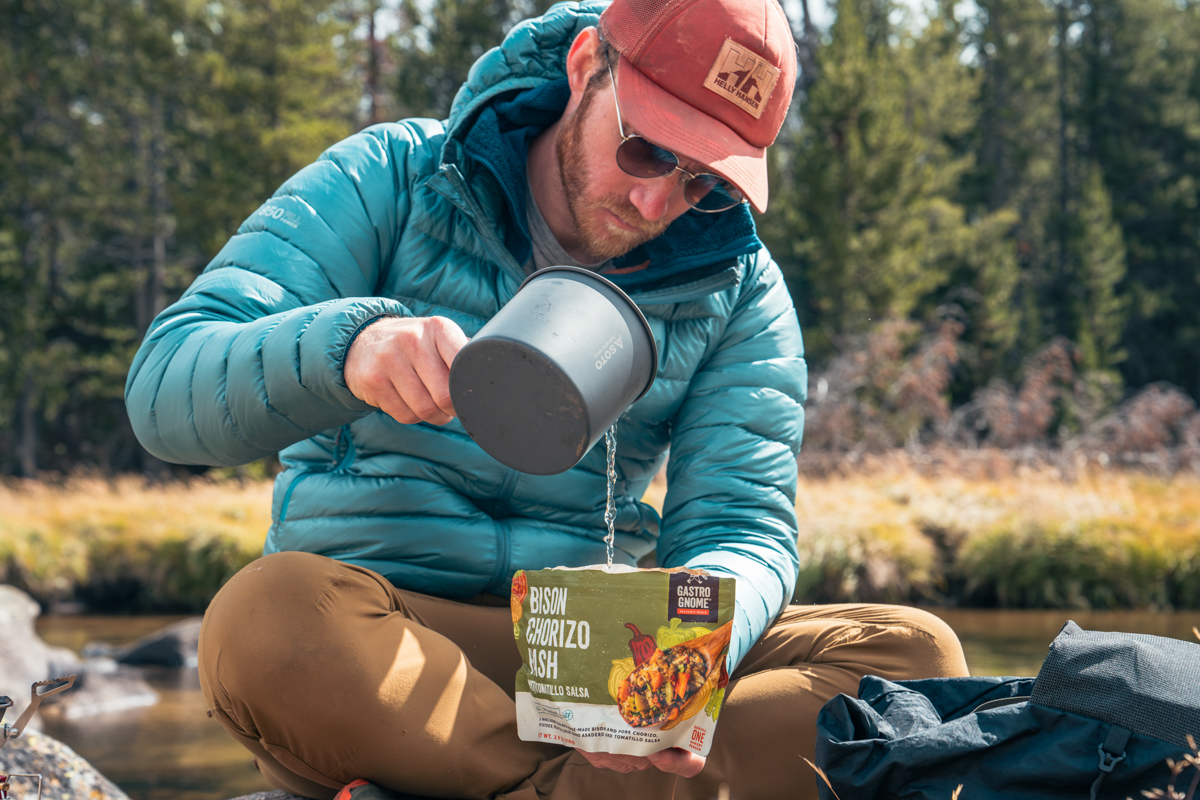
x=1101 y=719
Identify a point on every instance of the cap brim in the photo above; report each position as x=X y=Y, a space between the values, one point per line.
x=681 y=128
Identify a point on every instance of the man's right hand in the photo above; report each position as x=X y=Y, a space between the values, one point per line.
x=401 y=365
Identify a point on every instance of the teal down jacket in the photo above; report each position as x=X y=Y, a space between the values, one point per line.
x=423 y=218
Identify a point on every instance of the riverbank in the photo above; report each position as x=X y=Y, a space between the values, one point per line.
x=1029 y=540
x=125 y=545
x=1026 y=539
x=173 y=751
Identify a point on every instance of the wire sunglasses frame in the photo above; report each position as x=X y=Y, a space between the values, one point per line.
x=640 y=158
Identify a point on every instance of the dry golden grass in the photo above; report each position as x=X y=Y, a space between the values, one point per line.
x=1108 y=539
x=130 y=538
x=1105 y=539
x=128 y=504
x=1026 y=538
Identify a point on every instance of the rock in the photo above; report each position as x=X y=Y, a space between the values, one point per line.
x=24 y=658
x=173 y=646
x=65 y=776
x=62 y=661
x=95 y=650
x=103 y=687
x=373 y=792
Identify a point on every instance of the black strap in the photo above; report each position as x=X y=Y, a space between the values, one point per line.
x=1112 y=752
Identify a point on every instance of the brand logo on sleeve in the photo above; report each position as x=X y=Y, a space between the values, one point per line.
x=742 y=77
x=280 y=214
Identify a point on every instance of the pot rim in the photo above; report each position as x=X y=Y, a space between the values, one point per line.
x=620 y=293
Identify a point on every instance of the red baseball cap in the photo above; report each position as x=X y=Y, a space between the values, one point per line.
x=708 y=79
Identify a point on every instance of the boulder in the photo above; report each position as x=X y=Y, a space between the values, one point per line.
x=103 y=687
x=173 y=646
x=65 y=776
x=24 y=658
x=371 y=792
x=62 y=661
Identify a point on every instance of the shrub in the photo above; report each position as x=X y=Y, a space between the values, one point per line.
x=125 y=545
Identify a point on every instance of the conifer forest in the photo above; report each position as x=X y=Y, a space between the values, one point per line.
x=988 y=212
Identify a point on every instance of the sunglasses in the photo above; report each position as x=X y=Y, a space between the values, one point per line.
x=641 y=159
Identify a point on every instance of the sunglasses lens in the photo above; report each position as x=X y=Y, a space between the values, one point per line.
x=711 y=193
x=641 y=159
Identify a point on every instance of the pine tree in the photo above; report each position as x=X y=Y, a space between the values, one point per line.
x=140 y=135
x=439 y=41
x=847 y=209
x=53 y=347
x=1016 y=145
x=977 y=251
x=1098 y=266
x=866 y=224
x=270 y=89
x=1140 y=112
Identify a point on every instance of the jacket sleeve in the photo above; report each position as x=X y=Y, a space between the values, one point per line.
x=249 y=360
x=730 y=505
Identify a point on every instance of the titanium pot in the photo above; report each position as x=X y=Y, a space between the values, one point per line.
x=550 y=373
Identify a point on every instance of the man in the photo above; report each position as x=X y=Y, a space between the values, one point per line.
x=373 y=641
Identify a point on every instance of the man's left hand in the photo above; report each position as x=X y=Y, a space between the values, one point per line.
x=674 y=760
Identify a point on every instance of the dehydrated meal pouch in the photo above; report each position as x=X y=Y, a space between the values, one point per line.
x=622 y=661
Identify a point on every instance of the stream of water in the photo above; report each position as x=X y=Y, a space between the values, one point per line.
x=172 y=751
x=610 y=508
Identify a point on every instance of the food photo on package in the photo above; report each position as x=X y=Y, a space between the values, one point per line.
x=623 y=660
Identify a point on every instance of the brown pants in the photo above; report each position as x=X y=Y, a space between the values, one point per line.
x=327 y=673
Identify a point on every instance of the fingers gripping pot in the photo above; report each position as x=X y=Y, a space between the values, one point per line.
x=623 y=661
x=546 y=377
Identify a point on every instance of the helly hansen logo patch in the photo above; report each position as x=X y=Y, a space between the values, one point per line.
x=742 y=77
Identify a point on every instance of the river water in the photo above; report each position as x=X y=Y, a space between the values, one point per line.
x=173 y=751
x=168 y=751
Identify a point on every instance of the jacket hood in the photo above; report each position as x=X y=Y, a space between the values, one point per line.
x=517 y=90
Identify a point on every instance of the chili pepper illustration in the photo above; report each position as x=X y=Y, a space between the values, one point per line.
x=641 y=645
x=520 y=589
x=520 y=586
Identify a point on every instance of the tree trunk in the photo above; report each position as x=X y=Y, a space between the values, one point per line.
x=375 y=115
x=31 y=335
x=807 y=44
x=1059 y=294
x=28 y=441
x=158 y=181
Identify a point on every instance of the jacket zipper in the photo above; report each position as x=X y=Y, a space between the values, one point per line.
x=340 y=465
x=466 y=202
x=503 y=533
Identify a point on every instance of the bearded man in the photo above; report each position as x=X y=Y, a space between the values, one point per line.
x=371 y=647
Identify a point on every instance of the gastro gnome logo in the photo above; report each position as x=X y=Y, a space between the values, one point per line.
x=742 y=77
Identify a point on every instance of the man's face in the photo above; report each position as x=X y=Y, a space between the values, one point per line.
x=613 y=212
